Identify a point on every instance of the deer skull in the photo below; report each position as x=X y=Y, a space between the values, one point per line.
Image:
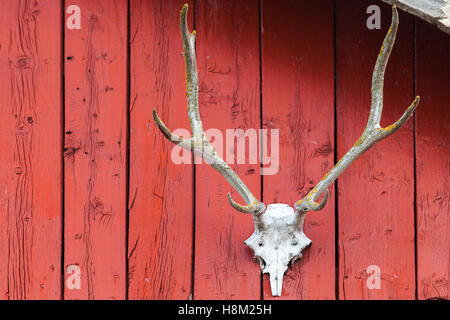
x=277 y=241
x=278 y=238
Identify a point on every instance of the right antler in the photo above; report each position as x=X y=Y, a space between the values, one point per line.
x=373 y=131
x=199 y=143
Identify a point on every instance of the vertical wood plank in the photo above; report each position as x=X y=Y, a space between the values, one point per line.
x=30 y=150
x=228 y=65
x=95 y=150
x=298 y=90
x=433 y=164
x=376 y=193
x=161 y=192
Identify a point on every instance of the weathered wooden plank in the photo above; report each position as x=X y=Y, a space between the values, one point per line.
x=436 y=12
x=95 y=151
x=376 y=194
x=228 y=65
x=433 y=162
x=161 y=192
x=298 y=91
x=30 y=150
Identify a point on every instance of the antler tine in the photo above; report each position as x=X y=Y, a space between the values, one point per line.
x=199 y=143
x=372 y=133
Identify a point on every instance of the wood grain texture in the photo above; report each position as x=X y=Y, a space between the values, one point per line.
x=376 y=193
x=228 y=66
x=161 y=192
x=174 y=252
x=95 y=150
x=433 y=162
x=30 y=150
x=297 y=72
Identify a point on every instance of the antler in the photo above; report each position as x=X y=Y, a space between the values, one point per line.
x=199 y=143
x=372 y=133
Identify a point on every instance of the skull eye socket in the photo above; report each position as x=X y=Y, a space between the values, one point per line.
x=295 y=258
x=261 y=261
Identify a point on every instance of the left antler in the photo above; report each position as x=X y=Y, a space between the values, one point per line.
x=199 y=143
x=373 y=131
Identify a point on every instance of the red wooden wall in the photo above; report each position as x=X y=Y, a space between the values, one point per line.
x=95 y=150
x=87 y=182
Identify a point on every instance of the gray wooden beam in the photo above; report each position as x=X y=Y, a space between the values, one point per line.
x=436 y=12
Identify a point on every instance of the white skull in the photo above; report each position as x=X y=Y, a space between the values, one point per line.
x=277 y=241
